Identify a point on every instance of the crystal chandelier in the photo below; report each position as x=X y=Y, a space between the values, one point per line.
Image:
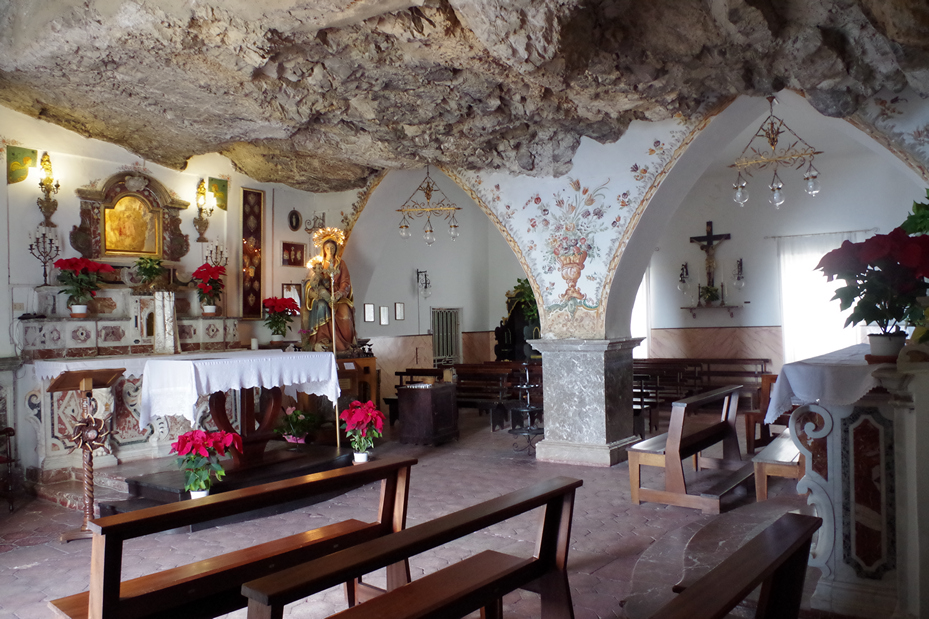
x=440 y=208
x=797 y=154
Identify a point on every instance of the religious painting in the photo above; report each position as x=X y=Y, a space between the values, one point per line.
x=398 y=311
x=385 y=315
x=132 y=227
x=293 y=220
x=18 y=162
x=291 y=291
x=253 y=201
x=219 y=187
x=369 y=312
x=293 y=254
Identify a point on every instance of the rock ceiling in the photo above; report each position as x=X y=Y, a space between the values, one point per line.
x=321 y=95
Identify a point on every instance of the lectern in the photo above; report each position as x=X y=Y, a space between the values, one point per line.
x=88 y=434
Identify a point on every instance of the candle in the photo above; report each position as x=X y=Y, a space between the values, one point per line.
x=254 y=343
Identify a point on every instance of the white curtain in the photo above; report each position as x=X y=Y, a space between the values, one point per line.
x=811 y=323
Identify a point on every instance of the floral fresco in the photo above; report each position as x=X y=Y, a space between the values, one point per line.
x=900 y=122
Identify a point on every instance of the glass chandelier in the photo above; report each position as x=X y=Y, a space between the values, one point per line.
x=417 y=208
x=797 y=154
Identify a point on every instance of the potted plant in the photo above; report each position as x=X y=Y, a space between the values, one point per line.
x=209 y=286
x=297 y=425
x=524 y=295
x=79 y=276
x=279 y=315
x=884 y=277
x=149 y=270
x=200 y=452
x=362 y=424
x=709 y=294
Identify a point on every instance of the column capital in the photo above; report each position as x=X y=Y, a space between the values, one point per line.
x=580 y=345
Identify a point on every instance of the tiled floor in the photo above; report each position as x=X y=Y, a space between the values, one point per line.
x=609 y=533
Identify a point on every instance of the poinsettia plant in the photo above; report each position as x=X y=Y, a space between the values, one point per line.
x=884 y=276
x=209 y=285
x=279 y=313
x=362 y=424
x=200 y=452
x=79 y=276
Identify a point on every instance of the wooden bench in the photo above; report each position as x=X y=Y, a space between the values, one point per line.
x=477 y=582
x=211 y=587
x=487 y=389
x=667 y=380
x=669 y=450
x=779 y=459
x=776 y=559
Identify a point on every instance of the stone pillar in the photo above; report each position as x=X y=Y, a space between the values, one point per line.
x=588 y=400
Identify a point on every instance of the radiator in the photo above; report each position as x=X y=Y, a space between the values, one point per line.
x=446 y=336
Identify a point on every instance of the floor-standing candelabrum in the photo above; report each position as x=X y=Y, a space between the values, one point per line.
x=44 y=247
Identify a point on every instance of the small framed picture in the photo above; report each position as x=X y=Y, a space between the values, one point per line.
x=293 y=254
x=291 y=291
x=369 y=312
x=294 y=219
x=398 y=311
x=385 y=315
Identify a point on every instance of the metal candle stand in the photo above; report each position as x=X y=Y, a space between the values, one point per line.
x=45 y=248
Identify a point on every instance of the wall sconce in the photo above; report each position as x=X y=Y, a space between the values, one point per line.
x=205 y=206
x=738 y=278
x=48 y=186
x=683 y=283
x=423 y=283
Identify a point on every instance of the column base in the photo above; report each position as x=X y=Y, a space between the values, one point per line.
x=564 y=452
x=855 y=599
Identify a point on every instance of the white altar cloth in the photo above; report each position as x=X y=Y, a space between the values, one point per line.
x=172 y=385
x=838 y=378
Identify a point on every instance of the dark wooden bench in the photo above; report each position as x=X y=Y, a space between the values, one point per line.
x=477 y=582
x=211 y=587
x=669 y=450
x=667 y=380
x=776 y=559
x=486 y=388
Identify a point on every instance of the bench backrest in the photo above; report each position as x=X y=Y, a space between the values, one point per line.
x=557 y=495
x=686 y=444
x=777 y=558
x=110 y=532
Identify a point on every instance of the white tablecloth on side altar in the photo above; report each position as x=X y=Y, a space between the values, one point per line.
x=172 y=385
x=838 y=378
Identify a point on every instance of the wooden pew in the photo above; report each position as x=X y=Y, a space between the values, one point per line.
x=486 y=388
x=211 y=587
x=776 y=559
x=477 y=582
x=669 y=450
x=779 y=459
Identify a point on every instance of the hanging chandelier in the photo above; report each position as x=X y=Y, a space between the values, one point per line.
x=440 y=208
x=797 y=154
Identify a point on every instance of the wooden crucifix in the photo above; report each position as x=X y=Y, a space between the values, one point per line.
x=708 y=244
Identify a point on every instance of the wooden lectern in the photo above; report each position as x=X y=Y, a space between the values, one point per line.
x=89 y=434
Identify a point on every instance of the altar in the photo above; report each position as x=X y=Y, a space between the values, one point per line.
x=158 y=393
x=856 y=429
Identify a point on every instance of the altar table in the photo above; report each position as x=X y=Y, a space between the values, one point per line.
x=847 y=434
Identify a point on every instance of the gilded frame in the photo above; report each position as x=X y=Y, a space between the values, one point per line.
x=110 y=244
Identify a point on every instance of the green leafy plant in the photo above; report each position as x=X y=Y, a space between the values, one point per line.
x=917 y=222
x=525 y=295
x=709 y=294
x=149 y=269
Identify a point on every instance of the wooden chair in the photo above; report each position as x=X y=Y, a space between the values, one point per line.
x=669 y=450
x=9 y=433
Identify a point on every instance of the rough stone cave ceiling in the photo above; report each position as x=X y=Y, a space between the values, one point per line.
x=322 y=95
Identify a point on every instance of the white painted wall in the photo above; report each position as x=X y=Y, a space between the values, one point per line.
x=473 y=273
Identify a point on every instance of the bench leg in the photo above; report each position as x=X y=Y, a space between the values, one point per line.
x=761 y=482
x=556 y=596
x=257 y=610
x=781 y=592
x=494 y=610
x=635 y=472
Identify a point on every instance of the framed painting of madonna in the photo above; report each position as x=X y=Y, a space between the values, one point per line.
x=132 y=227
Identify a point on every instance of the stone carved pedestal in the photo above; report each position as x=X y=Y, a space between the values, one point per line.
x=588 y=400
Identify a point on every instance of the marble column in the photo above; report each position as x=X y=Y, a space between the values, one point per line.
x=588 y=400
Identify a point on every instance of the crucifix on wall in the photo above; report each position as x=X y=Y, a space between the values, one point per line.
x=708 y=244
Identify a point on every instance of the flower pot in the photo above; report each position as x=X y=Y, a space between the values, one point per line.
x=290 y=438
x=78 y=311
x=887 y=344
x=361 y=456
x=210 y=310
x=199 y=494
x=276 y=339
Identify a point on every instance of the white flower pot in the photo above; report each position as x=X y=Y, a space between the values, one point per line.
x=277 y=338
x=199 y=494
x=361 y=456
x=888 y=345
x=78 y=311
x=210 y=310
